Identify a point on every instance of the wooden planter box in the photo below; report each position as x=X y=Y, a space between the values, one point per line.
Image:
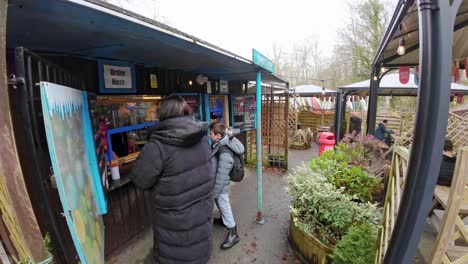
x=308 y=248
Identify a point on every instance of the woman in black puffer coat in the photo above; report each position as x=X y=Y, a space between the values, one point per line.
x=175 y=165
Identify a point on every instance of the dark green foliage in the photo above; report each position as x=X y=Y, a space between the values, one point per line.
x=357 y=246
x=340 y=169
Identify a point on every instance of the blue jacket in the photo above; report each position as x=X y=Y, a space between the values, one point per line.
x=381 y=131
x=222 y=163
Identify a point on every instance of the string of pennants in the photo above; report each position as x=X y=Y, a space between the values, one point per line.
x=404 y=72
x=316 y=104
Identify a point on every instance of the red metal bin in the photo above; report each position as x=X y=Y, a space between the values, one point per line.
x=326 y=141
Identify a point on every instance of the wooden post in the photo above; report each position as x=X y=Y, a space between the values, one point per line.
x=348 y=119
x=286 y=133
x=15 y=203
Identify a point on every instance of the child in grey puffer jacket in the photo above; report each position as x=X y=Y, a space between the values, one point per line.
x=225 y=146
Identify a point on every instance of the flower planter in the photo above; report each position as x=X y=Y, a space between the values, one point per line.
x=308 y=248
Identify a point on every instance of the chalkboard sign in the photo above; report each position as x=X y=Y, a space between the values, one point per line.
x=244 y=112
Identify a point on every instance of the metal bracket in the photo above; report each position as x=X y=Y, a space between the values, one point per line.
x=428 y=5
x=14 y=81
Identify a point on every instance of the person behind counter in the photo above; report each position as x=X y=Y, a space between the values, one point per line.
x=175 y=165
x=447 y=167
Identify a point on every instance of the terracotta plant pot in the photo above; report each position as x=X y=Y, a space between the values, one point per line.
x=308 y=248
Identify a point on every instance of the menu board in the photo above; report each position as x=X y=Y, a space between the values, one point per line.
x=244 y=112
x=194 y=102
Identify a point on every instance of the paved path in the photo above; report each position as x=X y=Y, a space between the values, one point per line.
x=259 y=243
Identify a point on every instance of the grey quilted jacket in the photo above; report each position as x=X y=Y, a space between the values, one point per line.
x=222 y=164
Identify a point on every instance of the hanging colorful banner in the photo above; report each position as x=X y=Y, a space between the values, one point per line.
x=404 y=73
x=73 y=156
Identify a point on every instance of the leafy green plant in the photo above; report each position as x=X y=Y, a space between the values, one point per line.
x=341 y=169
x=48 y=242
x=357 y=246
x=323 y=209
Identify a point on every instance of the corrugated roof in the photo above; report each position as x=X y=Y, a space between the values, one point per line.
x=99 y=30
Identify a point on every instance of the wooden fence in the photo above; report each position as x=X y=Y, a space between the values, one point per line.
x=457 y=131
x=394 y=186
x=445 y=250
x=275 y=129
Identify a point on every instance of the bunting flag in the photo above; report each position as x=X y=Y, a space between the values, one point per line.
x=404 y=73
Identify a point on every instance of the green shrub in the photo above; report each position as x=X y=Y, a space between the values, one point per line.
x=340 y=168
x=357 y=246
x=320 y=208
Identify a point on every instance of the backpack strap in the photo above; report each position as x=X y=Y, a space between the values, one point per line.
x=225 y=149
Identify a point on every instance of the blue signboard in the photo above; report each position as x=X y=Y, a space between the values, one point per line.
x=262 y=61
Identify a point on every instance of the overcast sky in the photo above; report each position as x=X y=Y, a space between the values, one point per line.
x=241 y=25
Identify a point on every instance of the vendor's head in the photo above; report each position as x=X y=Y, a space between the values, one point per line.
x=385 y=121
x=217 y=131
x=448 y=145
x=173 y=106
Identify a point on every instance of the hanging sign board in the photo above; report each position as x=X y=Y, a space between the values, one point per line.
x=243 y=107
x=404 y=73
x=153 y=81
x=223 y=87
x=116 y=77
x=262 y=61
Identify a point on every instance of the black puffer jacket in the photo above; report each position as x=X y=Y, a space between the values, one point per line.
x=175 y=164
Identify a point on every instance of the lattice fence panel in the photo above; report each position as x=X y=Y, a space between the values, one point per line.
x=275 y=120
x=457 y=131
x=394 y=186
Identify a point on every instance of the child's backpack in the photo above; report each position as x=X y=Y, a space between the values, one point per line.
x=237 y=172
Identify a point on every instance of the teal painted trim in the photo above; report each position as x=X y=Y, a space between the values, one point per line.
x=231 y=110
x=262 y=61
x=58 y=178
x=112 y=131
x=100 y=198
x=207 y=113
x=258 y=125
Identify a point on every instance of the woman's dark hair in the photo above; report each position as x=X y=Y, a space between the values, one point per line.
x=448 y=145
x=173 y=106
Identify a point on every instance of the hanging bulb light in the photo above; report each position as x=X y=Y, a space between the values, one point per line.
x=401 y=47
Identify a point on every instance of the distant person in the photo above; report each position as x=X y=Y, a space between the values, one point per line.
x=447 y=167
x=175 y=164
x=383 y=133
x=224 y=146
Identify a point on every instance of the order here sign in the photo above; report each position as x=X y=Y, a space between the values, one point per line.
x=116 y=77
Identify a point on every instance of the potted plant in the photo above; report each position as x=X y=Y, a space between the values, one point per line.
x=332 y=216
